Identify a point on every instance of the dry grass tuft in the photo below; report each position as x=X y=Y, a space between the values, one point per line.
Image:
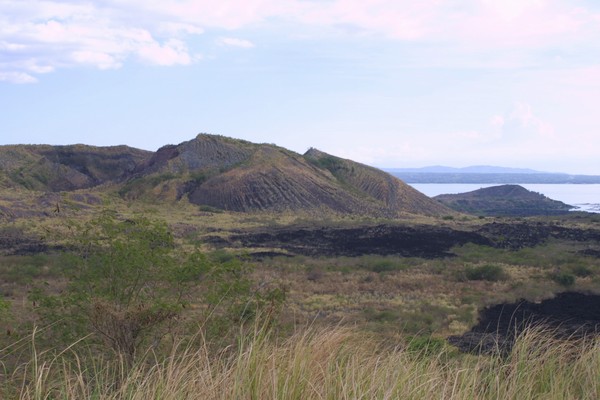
x=333 y=363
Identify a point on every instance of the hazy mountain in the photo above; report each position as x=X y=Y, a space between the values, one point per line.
x=476 y=169
x=486 y=174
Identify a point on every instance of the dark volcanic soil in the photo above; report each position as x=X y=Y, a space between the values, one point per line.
x=17 y=243
x=567 y=316
x=419 y=241
x=518 y=235
x=410 y=241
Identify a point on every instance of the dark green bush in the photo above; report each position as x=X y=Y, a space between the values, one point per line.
x=563 y=278
x=384 y=266
x=581 y=271
x=211 y=209
x=486 y=272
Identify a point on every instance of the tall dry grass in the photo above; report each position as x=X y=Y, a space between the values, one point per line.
x=335 y=363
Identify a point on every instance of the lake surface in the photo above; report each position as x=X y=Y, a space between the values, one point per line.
x=585 y=197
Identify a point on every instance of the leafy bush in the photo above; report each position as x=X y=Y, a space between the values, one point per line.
x=384 y=266
x=486 y=272
x=127 y=280
x=581 y=271
x=563 y=278
x=210 y=209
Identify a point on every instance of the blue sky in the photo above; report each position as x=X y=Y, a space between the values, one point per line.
x=391 y=83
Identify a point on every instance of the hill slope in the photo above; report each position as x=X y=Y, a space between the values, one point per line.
x=504 y=200
x=219 y=172
x=372 y=183
x=64 y=168
x=241 y=176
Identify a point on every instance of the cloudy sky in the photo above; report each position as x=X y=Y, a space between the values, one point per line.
x=391 y=83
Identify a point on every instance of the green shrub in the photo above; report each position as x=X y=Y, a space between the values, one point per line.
x=486 y=272
x=425 y=345
x=384 y=266
x=581 y=271
x=128 y=281
x=563 y=278
x=210 y=209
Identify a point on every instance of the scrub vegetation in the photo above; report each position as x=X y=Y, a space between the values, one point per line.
x=127 y=305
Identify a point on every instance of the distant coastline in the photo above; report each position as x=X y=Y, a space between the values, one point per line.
x=549 y=178
x=487 y=175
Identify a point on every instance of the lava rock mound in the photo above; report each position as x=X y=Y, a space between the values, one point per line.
x=567 y=316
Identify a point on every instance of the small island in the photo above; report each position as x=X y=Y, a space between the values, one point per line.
x=504 y=200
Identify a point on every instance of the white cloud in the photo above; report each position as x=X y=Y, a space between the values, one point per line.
x=40 y=36
x=522 y=118
x=521 y=24
x=469 y=135
x=234 y=42
x=17 y=77
x=517 y=126
x=11 y=46
x=173 y=52
x=497 y=121
x=107 y=33
x=179 y=28
x=511 y=9
x=98 y=59
x=227 y=14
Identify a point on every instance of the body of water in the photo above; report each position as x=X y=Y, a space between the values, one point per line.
x=585 y=197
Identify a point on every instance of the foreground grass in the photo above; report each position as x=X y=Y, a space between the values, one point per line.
x=334 y=363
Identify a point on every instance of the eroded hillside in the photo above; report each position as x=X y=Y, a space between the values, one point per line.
x=217 y=172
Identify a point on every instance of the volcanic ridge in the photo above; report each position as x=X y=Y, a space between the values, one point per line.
x=218 y=172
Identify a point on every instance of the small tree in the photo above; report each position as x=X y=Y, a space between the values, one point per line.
x=126 y=280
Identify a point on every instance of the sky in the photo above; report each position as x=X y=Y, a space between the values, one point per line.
x=390 y=83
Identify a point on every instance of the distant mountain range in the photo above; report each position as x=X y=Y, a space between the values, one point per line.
x=218 y=172
x=475 y=169
x=486 y=174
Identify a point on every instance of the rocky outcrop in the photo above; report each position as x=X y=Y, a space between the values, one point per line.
x=204 y=153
